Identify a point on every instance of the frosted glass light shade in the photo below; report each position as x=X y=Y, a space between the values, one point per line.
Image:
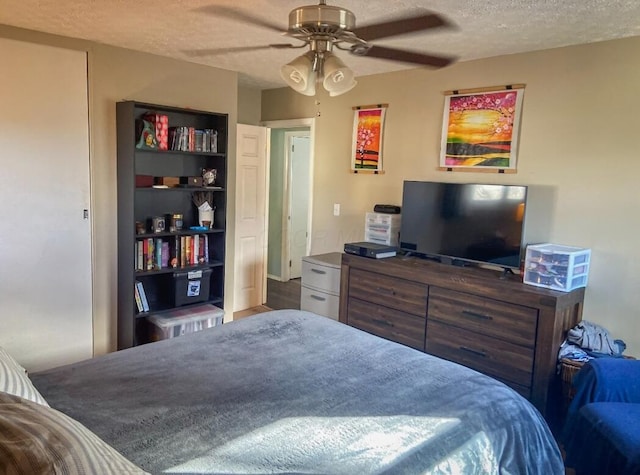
x=338 y=78
x=300 y=76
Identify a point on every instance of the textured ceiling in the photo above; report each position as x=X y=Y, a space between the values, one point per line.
x=173 y=27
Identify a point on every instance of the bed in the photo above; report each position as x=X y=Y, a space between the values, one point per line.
x=292 y=392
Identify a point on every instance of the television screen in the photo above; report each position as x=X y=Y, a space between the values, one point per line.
x=472 y=222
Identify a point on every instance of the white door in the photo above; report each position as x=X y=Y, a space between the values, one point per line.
x=45 y=231
x=250 y=223
x=298 y=235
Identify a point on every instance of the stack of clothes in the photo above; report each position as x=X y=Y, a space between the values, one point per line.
x=588 y=340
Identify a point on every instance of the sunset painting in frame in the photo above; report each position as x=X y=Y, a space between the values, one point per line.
x=368 y=126
x=480 y=130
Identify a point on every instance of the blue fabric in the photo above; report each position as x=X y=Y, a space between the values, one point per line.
x=606 y=439
x=602 y=430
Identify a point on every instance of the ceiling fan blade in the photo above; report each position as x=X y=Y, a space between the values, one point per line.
x=235 y=49
x=233 y=14
x=401 y=26
x=404 y=56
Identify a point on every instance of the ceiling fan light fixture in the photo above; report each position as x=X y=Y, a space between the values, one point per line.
x=299 y=74
x=338 y=78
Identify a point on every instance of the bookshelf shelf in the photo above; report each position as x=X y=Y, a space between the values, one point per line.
x=160 y=310
x=178 y=233
x=180 y=153
x=161 y=283
x=171 y=270
x=181 y=189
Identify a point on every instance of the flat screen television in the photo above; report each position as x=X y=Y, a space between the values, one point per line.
x=466 y=222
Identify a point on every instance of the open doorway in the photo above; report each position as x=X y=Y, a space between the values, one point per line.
x=290 y=208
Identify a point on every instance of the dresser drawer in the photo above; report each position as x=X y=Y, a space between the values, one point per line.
x=319 y=302
x=320 y=276
x=488 y=355
x=387 y=323
x=400 y=294
x=512 y=323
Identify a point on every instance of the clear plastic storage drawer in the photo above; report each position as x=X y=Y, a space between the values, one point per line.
x=557 y=267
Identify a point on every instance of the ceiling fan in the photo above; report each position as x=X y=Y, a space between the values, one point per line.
x=321 y=28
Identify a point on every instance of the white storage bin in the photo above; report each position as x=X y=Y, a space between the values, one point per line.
x=183 y=321
x=557 y=267
x=382 y=228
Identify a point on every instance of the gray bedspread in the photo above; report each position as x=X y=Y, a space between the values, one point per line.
x=292 y=392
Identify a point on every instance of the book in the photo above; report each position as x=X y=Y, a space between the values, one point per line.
x=143 y=296
x=150 y=253
x=196 y=249
x=158 y=256
x=164 y=261
x=136 y=294
x=188 y=250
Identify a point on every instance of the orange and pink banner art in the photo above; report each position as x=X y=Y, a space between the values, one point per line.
x=367 y=139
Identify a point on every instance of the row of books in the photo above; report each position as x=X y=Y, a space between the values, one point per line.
x=174 y=251
x=190 y=139
x=141 y=297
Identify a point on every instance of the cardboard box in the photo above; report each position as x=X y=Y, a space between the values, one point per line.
x=167 y=180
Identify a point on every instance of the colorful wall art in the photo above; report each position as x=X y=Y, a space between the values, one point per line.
x=480 y=129
x=368 y=130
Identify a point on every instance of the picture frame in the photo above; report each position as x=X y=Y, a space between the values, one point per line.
x=368 y=135
x=480 y=129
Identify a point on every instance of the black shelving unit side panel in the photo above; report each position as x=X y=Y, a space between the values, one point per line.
x=125 y=127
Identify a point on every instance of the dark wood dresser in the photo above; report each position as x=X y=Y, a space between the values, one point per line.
x=500 y=327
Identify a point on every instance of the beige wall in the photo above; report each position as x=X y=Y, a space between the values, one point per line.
x=117 y=74
x=249 y=105
x=578 y=142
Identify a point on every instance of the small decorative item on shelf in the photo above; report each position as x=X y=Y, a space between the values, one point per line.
x=144 y=181
x=195 y=181
x=160 y=123
x=140 y=227
x=146 y=135
x=157 y=224
x=204 y=202
x=209 y=176
x=175 y=222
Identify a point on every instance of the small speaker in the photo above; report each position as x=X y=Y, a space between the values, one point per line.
x=389 y=209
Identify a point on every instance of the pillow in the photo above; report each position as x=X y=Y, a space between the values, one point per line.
x=14 y=379
x=35 y=439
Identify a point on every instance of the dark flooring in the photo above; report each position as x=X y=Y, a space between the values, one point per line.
x=283 y=294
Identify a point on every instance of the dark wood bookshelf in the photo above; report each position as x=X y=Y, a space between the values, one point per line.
x=140 y=204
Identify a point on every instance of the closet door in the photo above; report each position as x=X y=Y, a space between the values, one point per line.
x=45 y=227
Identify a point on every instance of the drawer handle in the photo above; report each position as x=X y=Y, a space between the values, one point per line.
x=317 y=297
x=469 y=313
x=384 y=290
x=382 y=322
x=318 y=271
x=475 y=352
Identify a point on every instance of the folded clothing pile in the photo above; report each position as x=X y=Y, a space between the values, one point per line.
x=587 y=340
